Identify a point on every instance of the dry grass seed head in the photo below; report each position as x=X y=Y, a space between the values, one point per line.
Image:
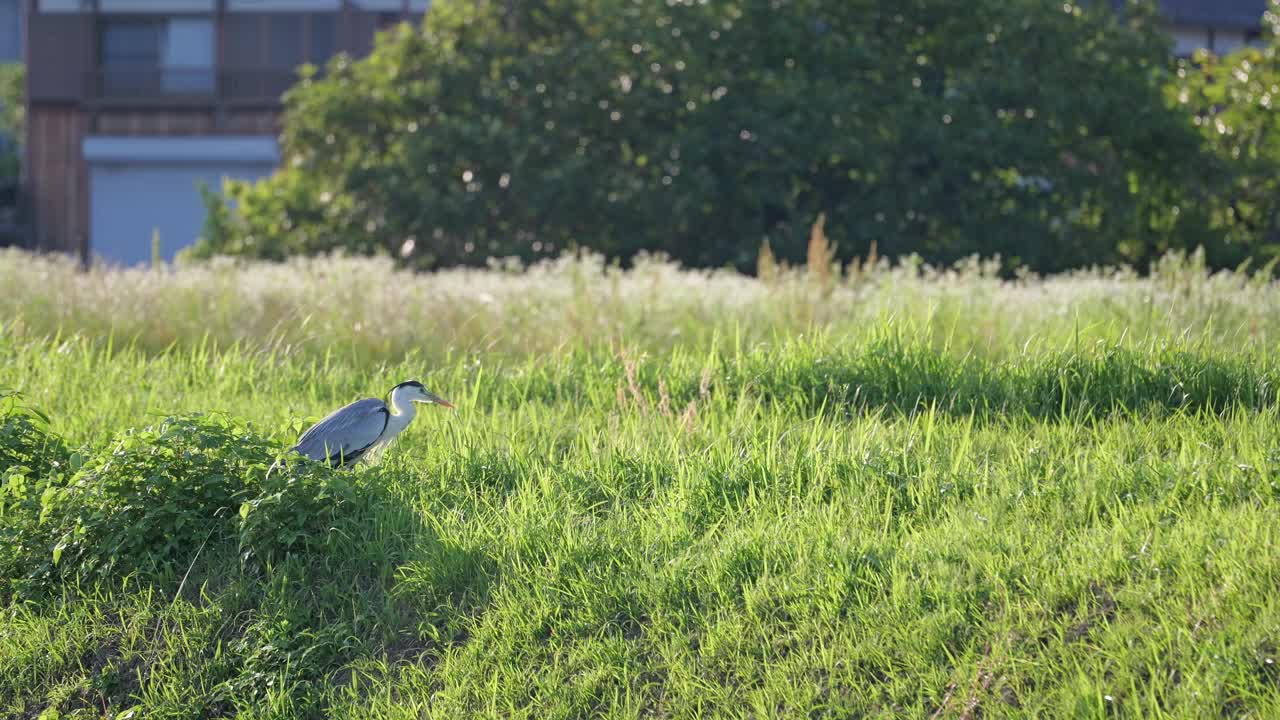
x=689 y=416
x=664 y=400
x=821 y=253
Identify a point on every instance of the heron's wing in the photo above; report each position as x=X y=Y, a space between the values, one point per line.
x=345 y=433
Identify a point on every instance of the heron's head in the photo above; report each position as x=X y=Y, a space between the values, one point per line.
x=413 y=391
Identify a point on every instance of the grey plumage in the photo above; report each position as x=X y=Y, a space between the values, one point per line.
x=349 y=433
x=345 y=434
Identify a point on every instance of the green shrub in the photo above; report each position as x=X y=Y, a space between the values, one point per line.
x=158 y=495
x=156 y=498
x=697 y=129
x=151 y=501
x=33 y=463
x=302 y=509
x=27 y=447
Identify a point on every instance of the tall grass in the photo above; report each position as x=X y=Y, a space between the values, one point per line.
x=904 y=493
x=367 y=310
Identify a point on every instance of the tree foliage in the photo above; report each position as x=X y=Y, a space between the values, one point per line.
x=1234 y=101
x=1033 y=130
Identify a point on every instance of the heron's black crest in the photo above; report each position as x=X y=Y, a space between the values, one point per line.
x=409 y=383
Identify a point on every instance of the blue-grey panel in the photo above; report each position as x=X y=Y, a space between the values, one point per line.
x=127 y=202
x=10 y=31
x=1238 y=14
x=198 y=150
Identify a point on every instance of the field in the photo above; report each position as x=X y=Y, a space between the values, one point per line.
x=890 y=491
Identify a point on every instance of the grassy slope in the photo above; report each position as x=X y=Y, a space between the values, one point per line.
x=870 y=524
x=574 y=548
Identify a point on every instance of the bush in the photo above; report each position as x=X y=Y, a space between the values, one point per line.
x=27 y=447
x=33 y=461
x=159 y=495
x=698 y=129
x=153 y=500
x=302 y=509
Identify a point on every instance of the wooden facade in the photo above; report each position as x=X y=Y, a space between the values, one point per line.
x=56 y=178
x=256 y=54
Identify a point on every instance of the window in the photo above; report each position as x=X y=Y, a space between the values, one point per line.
x=299 y=38
x=10 y=32
x=149 y=56
x=323 y=39
x=187 y=55
x=262 y=51
x=284 y=41
x=130 y=57
x=130 y=44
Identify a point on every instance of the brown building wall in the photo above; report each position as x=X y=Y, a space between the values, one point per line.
x=56 y=176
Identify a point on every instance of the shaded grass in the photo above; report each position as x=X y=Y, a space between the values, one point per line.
x=812 y=528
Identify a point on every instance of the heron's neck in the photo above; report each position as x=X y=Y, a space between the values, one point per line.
x=402 y=408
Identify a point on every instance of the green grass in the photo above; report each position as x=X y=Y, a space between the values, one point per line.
x=1078 y=519
x=363 y=311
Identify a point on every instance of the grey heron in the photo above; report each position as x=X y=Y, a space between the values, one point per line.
x=352 y=431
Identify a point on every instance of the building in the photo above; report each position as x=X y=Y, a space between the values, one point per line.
x=1221 y=26
x=133 y=103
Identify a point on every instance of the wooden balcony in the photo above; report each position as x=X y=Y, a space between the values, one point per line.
x=186 y=88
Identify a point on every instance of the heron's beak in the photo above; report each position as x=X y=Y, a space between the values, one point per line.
x=436 y=399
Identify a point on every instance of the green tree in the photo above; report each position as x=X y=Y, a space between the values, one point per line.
x=1026 y=128
x=1234 y=102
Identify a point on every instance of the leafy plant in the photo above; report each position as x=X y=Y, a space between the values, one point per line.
x=151 y=501
x=27 y=447
x=33 y=464
x=303 y=509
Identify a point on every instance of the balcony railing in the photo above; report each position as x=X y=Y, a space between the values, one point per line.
x=187 y=86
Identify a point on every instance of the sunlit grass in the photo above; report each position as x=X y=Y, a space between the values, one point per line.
x=364 y=310
x=939 y=496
